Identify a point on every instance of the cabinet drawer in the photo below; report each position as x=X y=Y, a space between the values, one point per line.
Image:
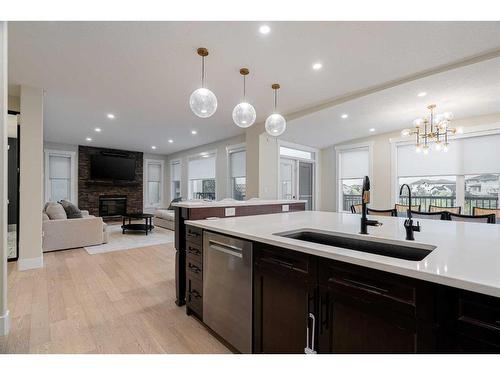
x=374 y=287
x=287 y=263
x=194 y=251
x=194 y=296
x=194 y=235
x=194 y=269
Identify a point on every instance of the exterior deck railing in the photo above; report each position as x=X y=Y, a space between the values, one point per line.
x=425 y=200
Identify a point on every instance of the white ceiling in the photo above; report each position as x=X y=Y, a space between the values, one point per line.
x=144 y=73
x=469 y=91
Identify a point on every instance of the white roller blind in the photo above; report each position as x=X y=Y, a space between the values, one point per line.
x=202 y=168
x=154 y=172
x=176 y=171
x=473 y=155
x=354 y=163
x=238 y=163
x=59 y=166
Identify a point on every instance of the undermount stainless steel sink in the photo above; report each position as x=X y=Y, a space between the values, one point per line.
x=415 y=252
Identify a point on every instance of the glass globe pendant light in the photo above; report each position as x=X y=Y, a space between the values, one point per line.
x=275 y=123
x=244 y=113
x=202 y=101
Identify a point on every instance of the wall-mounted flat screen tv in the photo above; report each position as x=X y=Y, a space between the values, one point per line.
x=110 y=167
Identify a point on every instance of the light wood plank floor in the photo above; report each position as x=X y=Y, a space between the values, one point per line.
x=119 y=302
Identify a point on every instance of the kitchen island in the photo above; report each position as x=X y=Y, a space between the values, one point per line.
x=341 y=300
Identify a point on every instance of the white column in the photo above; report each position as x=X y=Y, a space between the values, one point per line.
x=4 y=312
x=31 y=179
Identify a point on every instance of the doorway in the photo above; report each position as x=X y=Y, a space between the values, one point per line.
x=13 y=187
x=296 y=179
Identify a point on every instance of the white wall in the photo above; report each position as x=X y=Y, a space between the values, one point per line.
x=31 y=179
x=221 y=166
x=382 y=189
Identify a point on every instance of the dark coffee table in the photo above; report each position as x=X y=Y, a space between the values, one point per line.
x=146 y=227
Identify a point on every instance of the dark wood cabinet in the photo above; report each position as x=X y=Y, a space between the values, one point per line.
x=284 y=298
x=471 y=322
x=194 y=271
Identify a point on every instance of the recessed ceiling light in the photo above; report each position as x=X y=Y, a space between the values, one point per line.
x=153 y=147
x=264 y=29
x=421 y=94
x=110 y=115
x=98 y=130
x=170 y=141
x=317 y=66
x=345 y=115
x=194 y=132
x=88 y=139
x=372 y=130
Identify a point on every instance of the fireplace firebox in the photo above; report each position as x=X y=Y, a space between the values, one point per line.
x=112 y=206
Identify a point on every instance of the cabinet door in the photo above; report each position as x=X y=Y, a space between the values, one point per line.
x=351 y=326
x=283 y=299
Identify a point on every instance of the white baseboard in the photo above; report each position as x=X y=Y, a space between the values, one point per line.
x=5 y=324
x=29 y=263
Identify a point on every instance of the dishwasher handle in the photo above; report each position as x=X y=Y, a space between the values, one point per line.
x=226 y=248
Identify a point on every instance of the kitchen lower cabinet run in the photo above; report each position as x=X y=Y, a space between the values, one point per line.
x=309 y=304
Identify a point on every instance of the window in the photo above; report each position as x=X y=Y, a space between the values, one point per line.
x=201 y=172
x=60 y=176
x=154 y=183
x=481 y=191
x=175 y=179
x=353 y=163
x=466 y=176
x=296 y=154
x=431 y=190
x=237 y=173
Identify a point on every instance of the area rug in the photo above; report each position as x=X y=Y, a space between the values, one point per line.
x=131 y=240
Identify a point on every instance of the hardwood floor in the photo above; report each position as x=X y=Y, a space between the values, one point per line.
x=118 y=302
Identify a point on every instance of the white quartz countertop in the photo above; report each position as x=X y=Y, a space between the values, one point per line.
x=467 y=255
x=195 y=203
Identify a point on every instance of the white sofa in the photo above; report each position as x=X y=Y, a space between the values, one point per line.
x=164 y=218
x=73 y=233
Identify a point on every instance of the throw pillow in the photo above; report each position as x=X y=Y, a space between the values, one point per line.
x=55 y=211
x=72 y=212
x=45 y=217
x=170 y=207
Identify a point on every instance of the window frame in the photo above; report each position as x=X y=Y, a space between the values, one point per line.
x=231 y=150
x=73 y=173
x=338 y=172
x=145 y=189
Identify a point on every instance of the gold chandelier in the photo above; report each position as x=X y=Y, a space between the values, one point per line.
x=434 y=128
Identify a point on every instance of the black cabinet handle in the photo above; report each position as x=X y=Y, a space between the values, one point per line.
x=279 y=262
x=359 y=284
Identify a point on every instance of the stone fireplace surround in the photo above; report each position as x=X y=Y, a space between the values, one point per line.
x=90 y=191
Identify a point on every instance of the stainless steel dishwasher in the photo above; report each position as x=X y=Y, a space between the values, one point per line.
x=227 y=289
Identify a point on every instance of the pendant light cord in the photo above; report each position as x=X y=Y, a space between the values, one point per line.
x=244 y=88
x=203 y=71
x=275 y=99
